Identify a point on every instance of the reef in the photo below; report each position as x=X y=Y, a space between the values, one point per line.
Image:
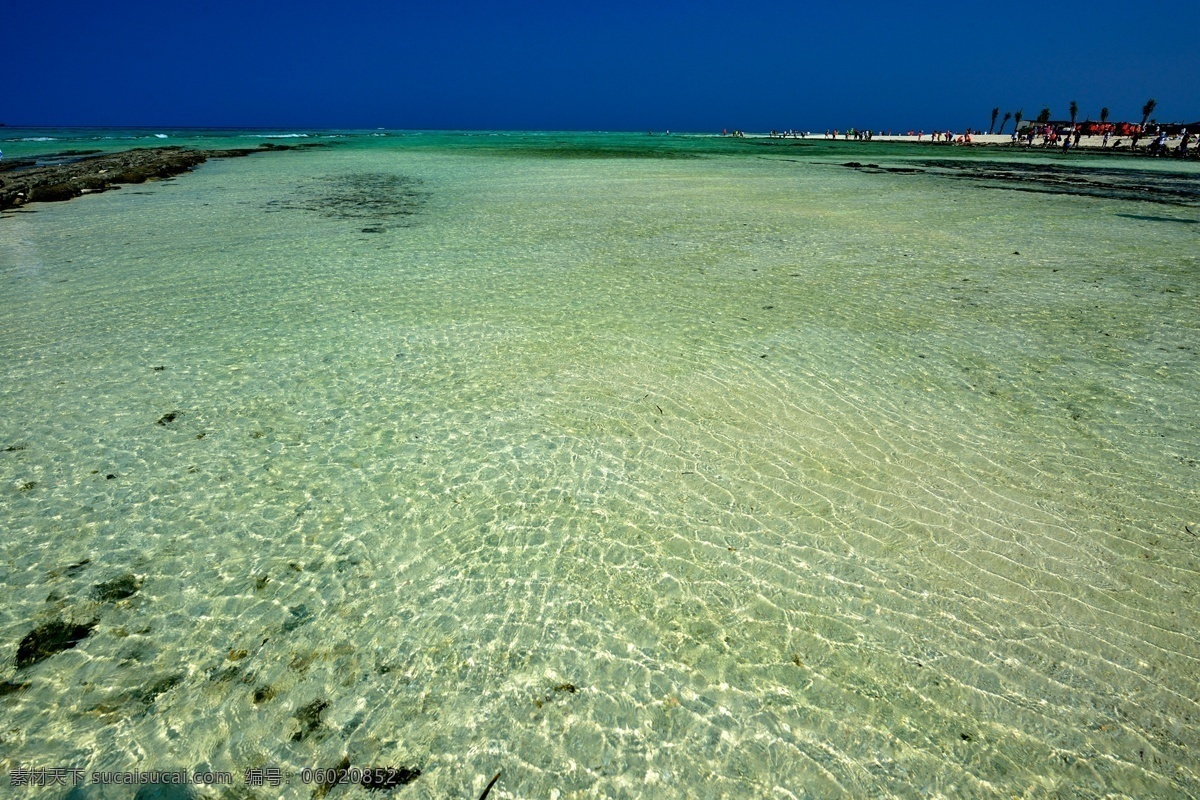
x=1162 y=186
x=68 y=175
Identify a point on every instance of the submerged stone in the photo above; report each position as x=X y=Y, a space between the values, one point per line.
x=51 y=638
x=300 y=616
x=368 y=196
x=331 y=777
x=381 y=779
x=309 y=718
x=71 y=174
x=117 y=589
x=371 y=778
x=150 y=693
x=1167 y=187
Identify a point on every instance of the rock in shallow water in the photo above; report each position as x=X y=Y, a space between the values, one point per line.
x=51 y=638
x=117 y=589
x=66 y=176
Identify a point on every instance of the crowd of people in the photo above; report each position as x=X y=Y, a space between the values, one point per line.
x=1163 y=144
x=1178 y=145
x=859 y=135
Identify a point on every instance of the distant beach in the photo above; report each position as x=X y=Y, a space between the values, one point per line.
x=1091 y=143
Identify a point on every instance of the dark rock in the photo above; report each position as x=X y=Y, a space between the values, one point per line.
x=64 y=176
x=300 y=616
x=8 y=687
x=1168 y=187
x=374 y=198
x=371 y=778
x=150 y=693
x=309 y=718
x=117 y=589
x=52 y=193
x=224 y=674
x=382 y=779
x=167 y=419
x=331 y=777
x=51 y=638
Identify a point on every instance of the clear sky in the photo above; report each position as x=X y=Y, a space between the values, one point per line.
x=684 y=66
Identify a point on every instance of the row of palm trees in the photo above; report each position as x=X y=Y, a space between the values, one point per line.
x=1044 y=116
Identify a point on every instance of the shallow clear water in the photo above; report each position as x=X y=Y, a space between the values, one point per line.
x=740 y=474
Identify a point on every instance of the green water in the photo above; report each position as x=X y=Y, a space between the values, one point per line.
x=683 y=468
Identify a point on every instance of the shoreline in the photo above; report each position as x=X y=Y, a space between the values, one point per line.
x=1002 y=142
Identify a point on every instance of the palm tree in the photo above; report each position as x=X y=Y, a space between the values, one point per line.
x=1044 y=115
x=1003 y=122
x=995 y=113
x=1017 y=125
x=1103 y=115
x=1147 y=110
x=1074 y=112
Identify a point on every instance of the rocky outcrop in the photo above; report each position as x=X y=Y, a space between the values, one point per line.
x=25 y=181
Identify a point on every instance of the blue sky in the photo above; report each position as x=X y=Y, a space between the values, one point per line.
x=694 y=66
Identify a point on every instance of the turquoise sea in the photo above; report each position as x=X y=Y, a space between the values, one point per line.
x=625 y=466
